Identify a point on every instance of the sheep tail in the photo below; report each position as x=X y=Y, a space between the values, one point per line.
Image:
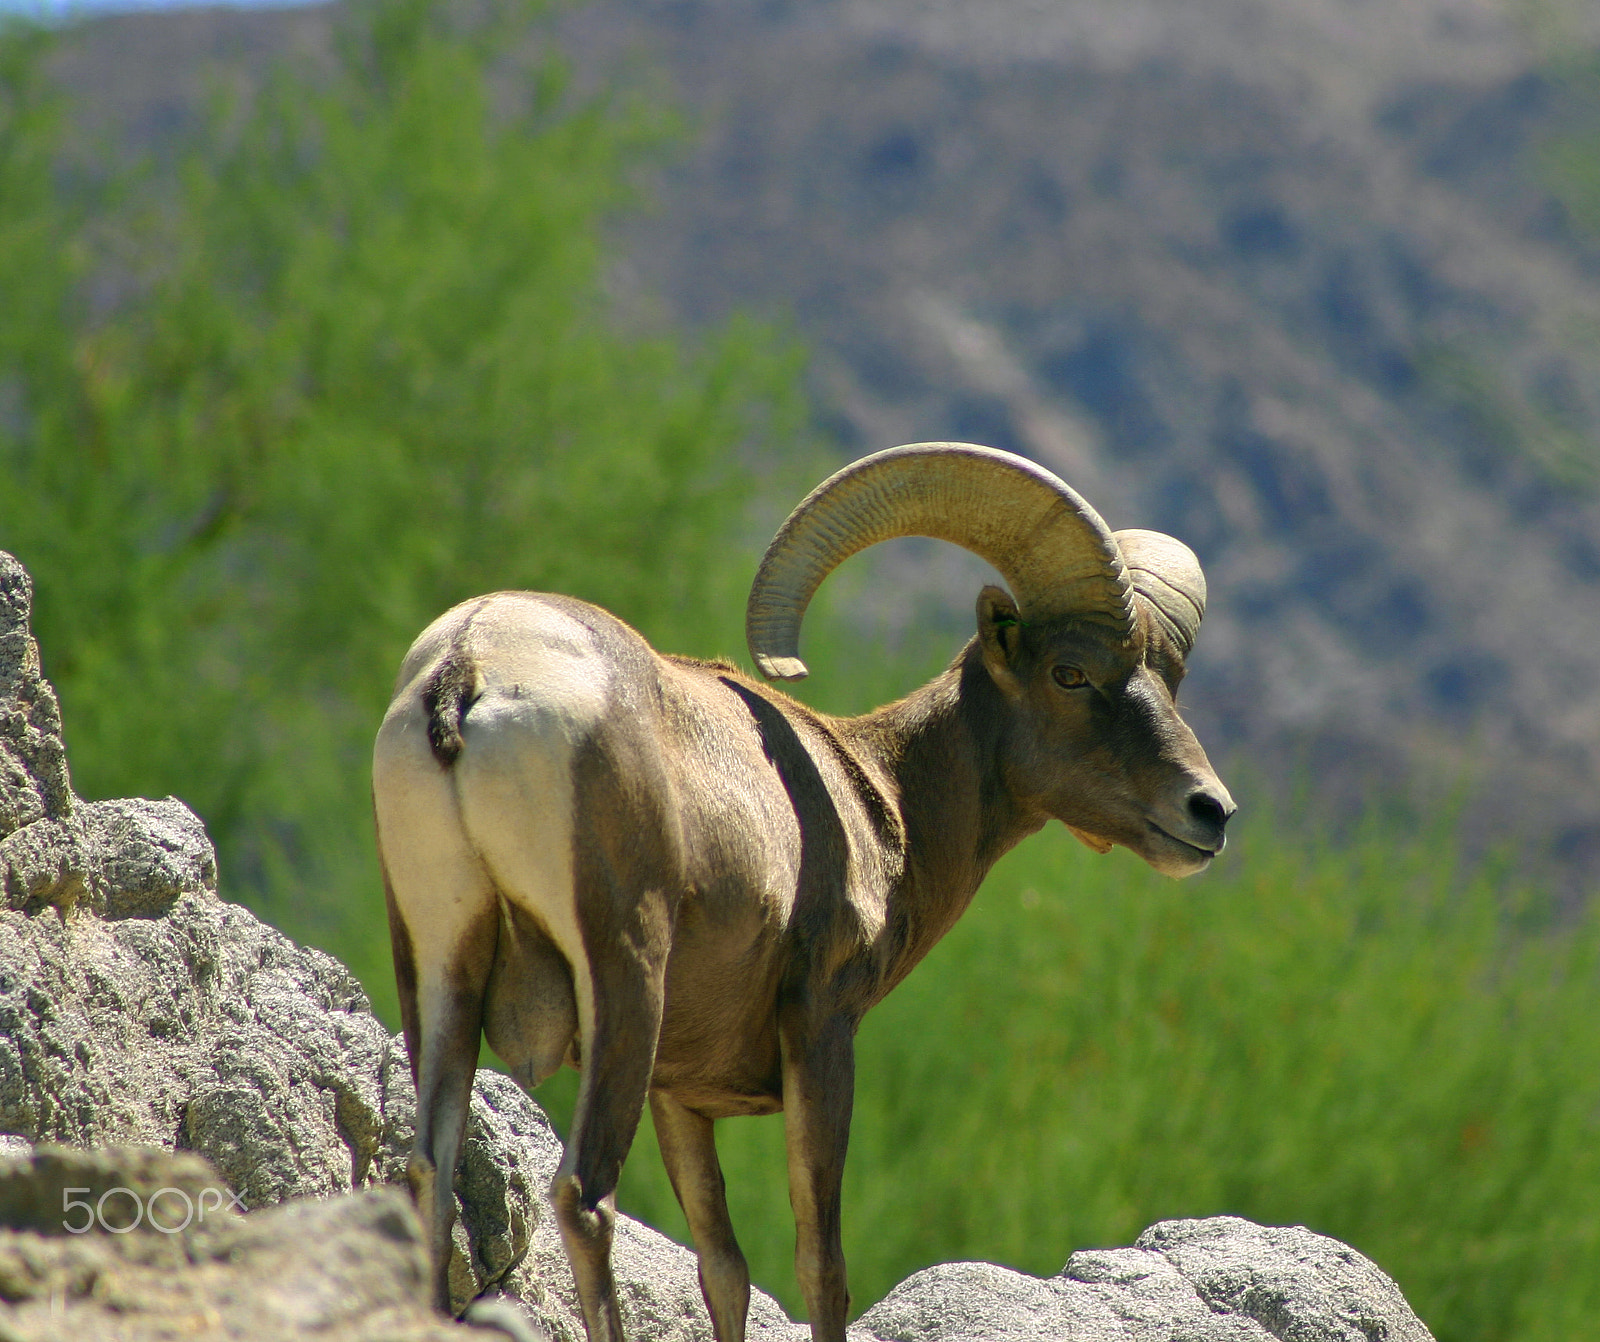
x=447 y=694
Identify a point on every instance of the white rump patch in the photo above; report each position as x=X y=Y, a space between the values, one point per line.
x=543 y=689
x=501 y=816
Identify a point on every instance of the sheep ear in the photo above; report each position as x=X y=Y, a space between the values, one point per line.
x=1000 y=635
x=1165 y=572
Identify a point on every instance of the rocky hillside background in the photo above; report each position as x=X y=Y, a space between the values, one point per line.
x=1294 y=280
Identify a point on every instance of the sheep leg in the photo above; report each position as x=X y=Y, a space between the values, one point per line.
x=445 y=1069
x=443 y=926
x=818 y=1091
x=689 y=1151
x=621 y=1019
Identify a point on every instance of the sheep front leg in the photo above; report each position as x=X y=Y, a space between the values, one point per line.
x=818 y=1091
x=689 y=1151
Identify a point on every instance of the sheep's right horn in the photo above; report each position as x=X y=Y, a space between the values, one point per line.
x=1165 y=573
x=1052 y=547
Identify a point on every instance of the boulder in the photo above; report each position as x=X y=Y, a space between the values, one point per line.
x=139 y=1008
x=1221 y=1279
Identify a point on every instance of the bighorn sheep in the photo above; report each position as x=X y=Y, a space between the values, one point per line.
x=693 y=887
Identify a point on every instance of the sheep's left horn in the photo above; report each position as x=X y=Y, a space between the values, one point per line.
x=1053 y=549
x=1165 y=573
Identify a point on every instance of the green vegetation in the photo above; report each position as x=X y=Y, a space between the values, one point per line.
x=256 y=430
x=1570 y=161
x=1498 y=424
x=355 y=367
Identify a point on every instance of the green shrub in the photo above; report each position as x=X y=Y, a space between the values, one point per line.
x=357 y=365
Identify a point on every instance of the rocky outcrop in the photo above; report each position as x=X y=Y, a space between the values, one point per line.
x=139 y=1008
x=353 y=1269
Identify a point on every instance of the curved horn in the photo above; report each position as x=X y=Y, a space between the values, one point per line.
x=1165 y=572
x=1050 y=546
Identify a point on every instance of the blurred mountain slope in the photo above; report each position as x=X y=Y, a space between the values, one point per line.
x=1286 y=279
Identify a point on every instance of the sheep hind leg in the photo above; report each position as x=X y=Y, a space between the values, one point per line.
x=443 y=925
x=450 y=1013
x=618 y=1046
x=689 y=1151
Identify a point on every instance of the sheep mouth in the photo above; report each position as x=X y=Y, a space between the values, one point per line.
x=1202 y=850
x=1192 y=856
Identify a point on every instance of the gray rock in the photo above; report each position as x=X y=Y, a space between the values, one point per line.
x=350 y=1269
x=1294 y=1283
x=122 y=858
x=206 y=1030
x=60 y=1190
x=1222 y=1279
x=46 y=861
x=137 y=1007
x=145 y=855
x=33 y=762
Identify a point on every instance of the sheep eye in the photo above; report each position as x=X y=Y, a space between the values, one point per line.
x=1069 y=677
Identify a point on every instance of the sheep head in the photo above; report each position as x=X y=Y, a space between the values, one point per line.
x=1086 y=656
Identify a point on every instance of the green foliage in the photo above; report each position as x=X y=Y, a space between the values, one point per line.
x=1499 y=413
x=357 y=367
x=1570 y=161
x=1500 y=423
x=1351 y=1038
x=1574 y=166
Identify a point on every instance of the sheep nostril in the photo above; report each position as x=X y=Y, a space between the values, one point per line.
x=1208 y=810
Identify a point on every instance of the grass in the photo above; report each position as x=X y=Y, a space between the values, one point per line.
x=1352 y=1037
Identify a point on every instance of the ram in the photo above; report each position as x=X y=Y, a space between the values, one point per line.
x=692 y=887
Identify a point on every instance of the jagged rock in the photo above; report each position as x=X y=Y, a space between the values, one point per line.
x=123 y=858
x=137 y=1007
x=147 y=854
x=33 y=762
x=60 y=1190
x=207 y=1030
